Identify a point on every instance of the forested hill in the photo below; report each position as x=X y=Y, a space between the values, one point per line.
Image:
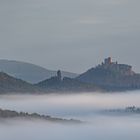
x=112 y=76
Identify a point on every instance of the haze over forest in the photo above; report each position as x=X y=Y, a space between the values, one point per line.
x=86 y=107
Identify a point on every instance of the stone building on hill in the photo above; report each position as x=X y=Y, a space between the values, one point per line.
x=122 y=69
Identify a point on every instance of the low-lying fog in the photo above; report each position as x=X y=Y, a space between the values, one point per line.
x=84 y=106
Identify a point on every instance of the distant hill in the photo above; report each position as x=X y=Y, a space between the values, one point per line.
x=66 y=84
x=9 y=84
x=107 y=76
x=29 y=72
x=112 y=76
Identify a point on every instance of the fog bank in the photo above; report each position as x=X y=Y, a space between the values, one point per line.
x=79 y=106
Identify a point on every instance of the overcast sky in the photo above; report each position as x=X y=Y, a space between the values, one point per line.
x=72 y=35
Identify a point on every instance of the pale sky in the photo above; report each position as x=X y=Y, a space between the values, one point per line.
x=72 y=35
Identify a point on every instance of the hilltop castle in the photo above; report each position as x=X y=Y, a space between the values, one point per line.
x=122 y=69
x=112 y=76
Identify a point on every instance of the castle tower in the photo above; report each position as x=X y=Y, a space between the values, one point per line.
x=59 y=76
x=108 y=61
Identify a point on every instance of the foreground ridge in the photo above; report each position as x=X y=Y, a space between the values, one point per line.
x=9 y=114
